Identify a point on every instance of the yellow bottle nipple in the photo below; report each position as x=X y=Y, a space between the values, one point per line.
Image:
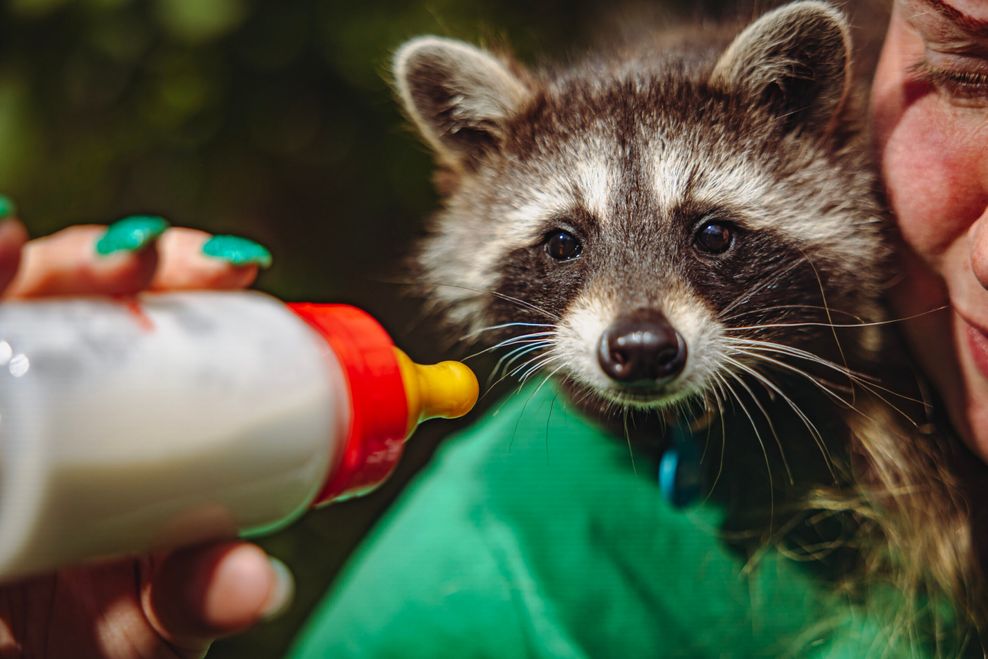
x=445 y=390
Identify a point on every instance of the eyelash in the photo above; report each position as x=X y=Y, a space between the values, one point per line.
x=958 y=84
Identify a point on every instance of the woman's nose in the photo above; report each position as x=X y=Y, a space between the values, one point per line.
x=979 y=250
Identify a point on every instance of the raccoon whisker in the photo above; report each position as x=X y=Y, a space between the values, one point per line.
x=694 y=407
x=547 y=378
x=525 y=407
x=755 y=353
x=770 y=278
x=873 y=390
x=514 y=340
x=710 y=392
x=830 y=319
x=505 y=376
x=528 y=366
x=718 y=385
x=627 y=438
x=523 y=351
x=865 y=381
x=507 y=298
x=697 y=406
x=582 y=393
x=525 y=304
x=548 y=422
x=780 y=307
x=533 y=369
x=791 y=351
x=515 y=372
x=514 y=355
x=536 y=391
x=816 y=381
x=810 y=426
x=781 y=348
x=758 y=403
x=876 y=323
x=490 y=328
x=758 y=436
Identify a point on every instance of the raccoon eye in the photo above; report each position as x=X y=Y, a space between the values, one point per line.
x=714 y=237
x=562 y=245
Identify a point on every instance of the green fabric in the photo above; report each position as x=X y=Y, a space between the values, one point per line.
x=532 y=535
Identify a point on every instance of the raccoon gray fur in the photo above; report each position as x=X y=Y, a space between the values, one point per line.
x=691 y=230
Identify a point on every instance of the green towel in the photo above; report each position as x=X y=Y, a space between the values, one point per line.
x=532 y=535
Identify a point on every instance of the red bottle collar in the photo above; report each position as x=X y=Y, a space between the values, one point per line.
x=378 y=407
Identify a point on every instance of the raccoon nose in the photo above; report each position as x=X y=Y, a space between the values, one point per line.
x=642 y=349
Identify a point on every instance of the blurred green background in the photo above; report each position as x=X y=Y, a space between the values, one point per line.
x=268 y=119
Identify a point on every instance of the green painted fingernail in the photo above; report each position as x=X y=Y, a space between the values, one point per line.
x=238 y=251
x=7 y=208
x=131 y=234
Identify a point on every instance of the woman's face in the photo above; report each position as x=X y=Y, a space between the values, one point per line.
x=930 y=114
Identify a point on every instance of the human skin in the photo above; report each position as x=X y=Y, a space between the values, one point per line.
x=930 y=120
x=168 y=605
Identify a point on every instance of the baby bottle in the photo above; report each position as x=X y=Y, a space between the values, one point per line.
x=165 y=420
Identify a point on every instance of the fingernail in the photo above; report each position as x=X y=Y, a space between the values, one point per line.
x=131 y=234
x=7 y=208
x=283 y=592
x=238 y=251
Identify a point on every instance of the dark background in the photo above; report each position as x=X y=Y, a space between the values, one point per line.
x=272 y=120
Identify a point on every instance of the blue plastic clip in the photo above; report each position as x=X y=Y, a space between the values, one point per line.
x=680 y=471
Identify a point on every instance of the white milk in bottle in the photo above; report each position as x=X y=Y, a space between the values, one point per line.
x=175 y=418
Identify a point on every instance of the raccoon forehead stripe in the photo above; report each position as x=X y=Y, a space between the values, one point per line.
x=590 y=185
x=670 y=176
x=699 y=174
x=595 y=181
x=685 y=173
x=529 y=211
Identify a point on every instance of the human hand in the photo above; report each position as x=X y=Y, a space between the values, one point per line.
x=162 y=605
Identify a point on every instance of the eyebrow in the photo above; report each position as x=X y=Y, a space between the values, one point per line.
x=973 y=26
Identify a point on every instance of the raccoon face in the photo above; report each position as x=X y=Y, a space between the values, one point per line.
x=656 y=228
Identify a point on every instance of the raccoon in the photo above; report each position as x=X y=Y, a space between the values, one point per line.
x=657 y=228
x=689 y=229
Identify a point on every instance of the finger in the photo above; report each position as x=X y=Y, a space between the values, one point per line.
x=191 y=259
x=12 y=239
x=80 y=260
x=202 y=593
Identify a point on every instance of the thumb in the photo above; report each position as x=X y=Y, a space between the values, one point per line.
x=195 y=595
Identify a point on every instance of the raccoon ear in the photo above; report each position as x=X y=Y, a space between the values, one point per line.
x=797 y=59
x=459 y=96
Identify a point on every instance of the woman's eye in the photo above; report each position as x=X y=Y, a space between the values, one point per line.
x=962 y=84
x=714 y=237
x=562 y=245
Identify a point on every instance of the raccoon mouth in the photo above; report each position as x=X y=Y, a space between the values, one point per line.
x=650 y=397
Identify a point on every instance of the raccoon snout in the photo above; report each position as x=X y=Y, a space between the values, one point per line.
x=642 y=350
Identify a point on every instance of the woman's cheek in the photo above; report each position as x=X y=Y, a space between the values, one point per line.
x=929 y=173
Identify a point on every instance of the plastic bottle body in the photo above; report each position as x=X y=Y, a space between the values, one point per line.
x=126 y=428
